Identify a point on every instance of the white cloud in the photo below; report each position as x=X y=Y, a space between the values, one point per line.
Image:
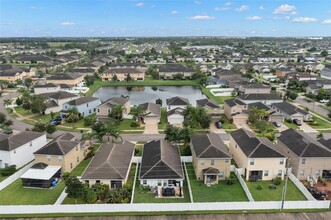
x=174 y=12
x=261 y=7
x=198 y=2
x=228 y=3
x=242 y=8
x=221 y=8
x=253 y=18
x=67 y=23
x=304 y=20
x=140 y=4
x=327 y=21
x=284 y=9
x=5 y=23
x=202 y=17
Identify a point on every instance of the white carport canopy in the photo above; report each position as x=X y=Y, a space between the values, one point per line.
x=41 y=174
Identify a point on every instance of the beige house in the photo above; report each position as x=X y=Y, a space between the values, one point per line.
x=110 y=165
x=73 y=79
x=211 y=158
x=62 y=151
x=11 y=73
x=122 y=74
x=104 y=109
x=212 y=107
x=307 y=157
x=249 y=88
x=257 y=156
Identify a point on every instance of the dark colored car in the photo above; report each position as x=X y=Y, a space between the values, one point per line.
x=168 y=192
x=55 y=121
x=218 y=124
x=297 y=122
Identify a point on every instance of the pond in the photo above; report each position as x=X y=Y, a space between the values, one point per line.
x=142 y=94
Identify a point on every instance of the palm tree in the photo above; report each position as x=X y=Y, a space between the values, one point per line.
x=7 y=102
x=89 y=136
x=73 y=115
x=110 y=129
x=117 y=112
x=137 y=112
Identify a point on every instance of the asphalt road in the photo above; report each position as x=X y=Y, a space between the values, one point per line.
x=312 y=106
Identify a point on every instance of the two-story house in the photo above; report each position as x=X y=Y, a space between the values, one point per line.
x=104 y=109
x=212 y=107
x=85 y=106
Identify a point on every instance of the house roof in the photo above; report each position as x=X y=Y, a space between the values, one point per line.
x=161 y=160
x=259 y=105
x=151 y=108
x=81 y=100
x=9 y=143
x=234 y=102
x=124 y=70
x=208 y=102
x=289 y=108
x=302 y=145
x=115 y=101
x=48 y=85
x=209 y=146
x=177 y=110
x=177 y=101
x=111 y=161
x=253 y=146
x=210 y=170
x=64 y=76
x=58 y=95
x=260 y=96
x=174 y=68
x=61 y=145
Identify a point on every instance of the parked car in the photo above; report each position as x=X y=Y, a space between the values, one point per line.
x=277 y=124
x=324 y=101
x=218 y=124
x=56 y=121
x=297 y=122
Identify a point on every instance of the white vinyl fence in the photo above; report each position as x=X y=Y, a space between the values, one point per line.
x=301 y=187
x=163 y=207
x=61 y=197
x=9 y=180
x=243 y=185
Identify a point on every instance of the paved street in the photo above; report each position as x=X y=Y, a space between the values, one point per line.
x=312 y=106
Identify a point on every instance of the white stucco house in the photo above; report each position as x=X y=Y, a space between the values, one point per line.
x=85 y=105
x=18 y=149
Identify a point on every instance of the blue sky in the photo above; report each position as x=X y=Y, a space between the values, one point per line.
x=88 y=18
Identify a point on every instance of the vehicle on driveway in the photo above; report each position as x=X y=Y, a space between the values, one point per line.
x=277 y=124
x=297 y=122
x=56 y=121
x=218 y=124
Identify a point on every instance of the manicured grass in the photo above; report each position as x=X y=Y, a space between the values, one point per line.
x=125 y=124
x=218 y=99
x=15 y=194
x=78 y=124
x=319 y=124
x=163 y=123
x=292 y=192
x=291 y=125
x=2 y=178
x=68 y=200
x=45 y=118
x=216 y=193
x=141 y=196
x=139 y=150
x=226 y=123
x=132 y=172
x=22 y=112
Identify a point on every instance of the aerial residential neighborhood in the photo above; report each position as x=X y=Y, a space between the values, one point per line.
x=100 y=122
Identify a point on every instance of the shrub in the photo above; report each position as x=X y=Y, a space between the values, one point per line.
x=134 y=124
x=229 y=181
x=277 y=181
x=259 y=187
x=88 y=121
x=7 y=171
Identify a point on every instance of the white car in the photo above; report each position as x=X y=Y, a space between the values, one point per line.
x=324 y=101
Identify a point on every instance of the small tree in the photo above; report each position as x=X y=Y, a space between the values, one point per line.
x=7 y=123
x=18 y=101
x=159 y=101
x=89 y=195
x=28 y=82
x=52 y=114
x=2 y=117
x=75 y=188
x=50 y=129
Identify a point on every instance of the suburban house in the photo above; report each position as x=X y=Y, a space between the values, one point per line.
x=307 y=157
x=211 y=158
x=11 y=73
x=291 y=112
x=66 y=78
x=252 y=88
x=212 y=107
x=258 y=156
x=169 y=71
x=104 y=109
x=64 y=151
x=161 y=166
x=47 y=88
x=123 y=74
x=85 y=106
x=176 y=102
x=266 y=98
x=152 y=113
x=18 y=149
x=326 y=72
x=175 y=117
x=110 y=165
x=41 y=175
x=55 y=100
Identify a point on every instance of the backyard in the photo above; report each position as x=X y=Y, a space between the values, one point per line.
x=163 y=120
x=266 y=194
x=216 y=193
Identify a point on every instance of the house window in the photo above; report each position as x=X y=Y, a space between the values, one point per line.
x=109 y=111
x=159 y=182
x=280 y=173
x=303 y=161
x=281 y=161
x=6 y=165
x=60 y=158
x=90 y=111
x=97 y=181
x=236 y=145
x=70 y=165
x=144 y=182
x=212 y=162
x=86 y=104
x=86 y=181
x=30 y=144
x=221 y=175
x=266 y=173
x=98 y=110
x=77 y=159
x=251 y=162
x=202 y=162
x=302 y=173
x=226 y=161
x=49 y=157
x=66 y=107
x=94 y=110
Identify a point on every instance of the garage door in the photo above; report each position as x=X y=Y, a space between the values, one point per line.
x=175 y=120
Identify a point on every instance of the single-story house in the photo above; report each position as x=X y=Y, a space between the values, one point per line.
x=266 y=98
x=291 y=112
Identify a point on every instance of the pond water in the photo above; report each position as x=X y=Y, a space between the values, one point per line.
x=142 y=94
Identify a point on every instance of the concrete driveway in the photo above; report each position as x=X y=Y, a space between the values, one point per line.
x=151 y=129
x=282 y=127
x=307 y=129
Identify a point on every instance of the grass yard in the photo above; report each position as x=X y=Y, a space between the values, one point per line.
x=292 y=192
x=163 y=123
x=226 y=123
x=217 y=193
x=139 y=150
x=319 y=124
x=291 y=125
x=2 y=178
x=126 y=125
x=15 y=194
x=45 y=118
x=78 y=124
x=22 y=112
x=141 y=196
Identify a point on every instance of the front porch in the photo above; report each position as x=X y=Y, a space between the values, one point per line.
x=210 y=176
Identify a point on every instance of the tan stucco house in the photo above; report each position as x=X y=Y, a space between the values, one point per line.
x=105 y=108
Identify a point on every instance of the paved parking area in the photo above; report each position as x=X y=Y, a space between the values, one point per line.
x=151 y=129
x=306 y=128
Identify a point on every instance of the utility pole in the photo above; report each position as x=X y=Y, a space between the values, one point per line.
x=285 y=184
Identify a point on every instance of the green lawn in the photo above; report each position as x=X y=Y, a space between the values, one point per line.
x=22 y=112
x=139 y=150
x=163 y=123
x=319 y=124
x=218 y=99
x=45 y=118
x=126 y=125
x=226 y=123
x=15 y=194
x=292 y=192
x=217 y=193
x=2 y=178
x=291 y=125
x=78 y=124
x=141 y=196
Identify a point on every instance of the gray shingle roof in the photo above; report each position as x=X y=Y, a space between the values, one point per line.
x=177 y=101
x=260 y=96
x=208 y=102
x=64 y=76
x=177 y=110
x=9 y=143
x=81 y=100
x=234 y=102
x=289 y=108
x=111 y=161
x=151 y=108
x=58 y=95
x=253 y=146
x=209 y=146
x=161 y=160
